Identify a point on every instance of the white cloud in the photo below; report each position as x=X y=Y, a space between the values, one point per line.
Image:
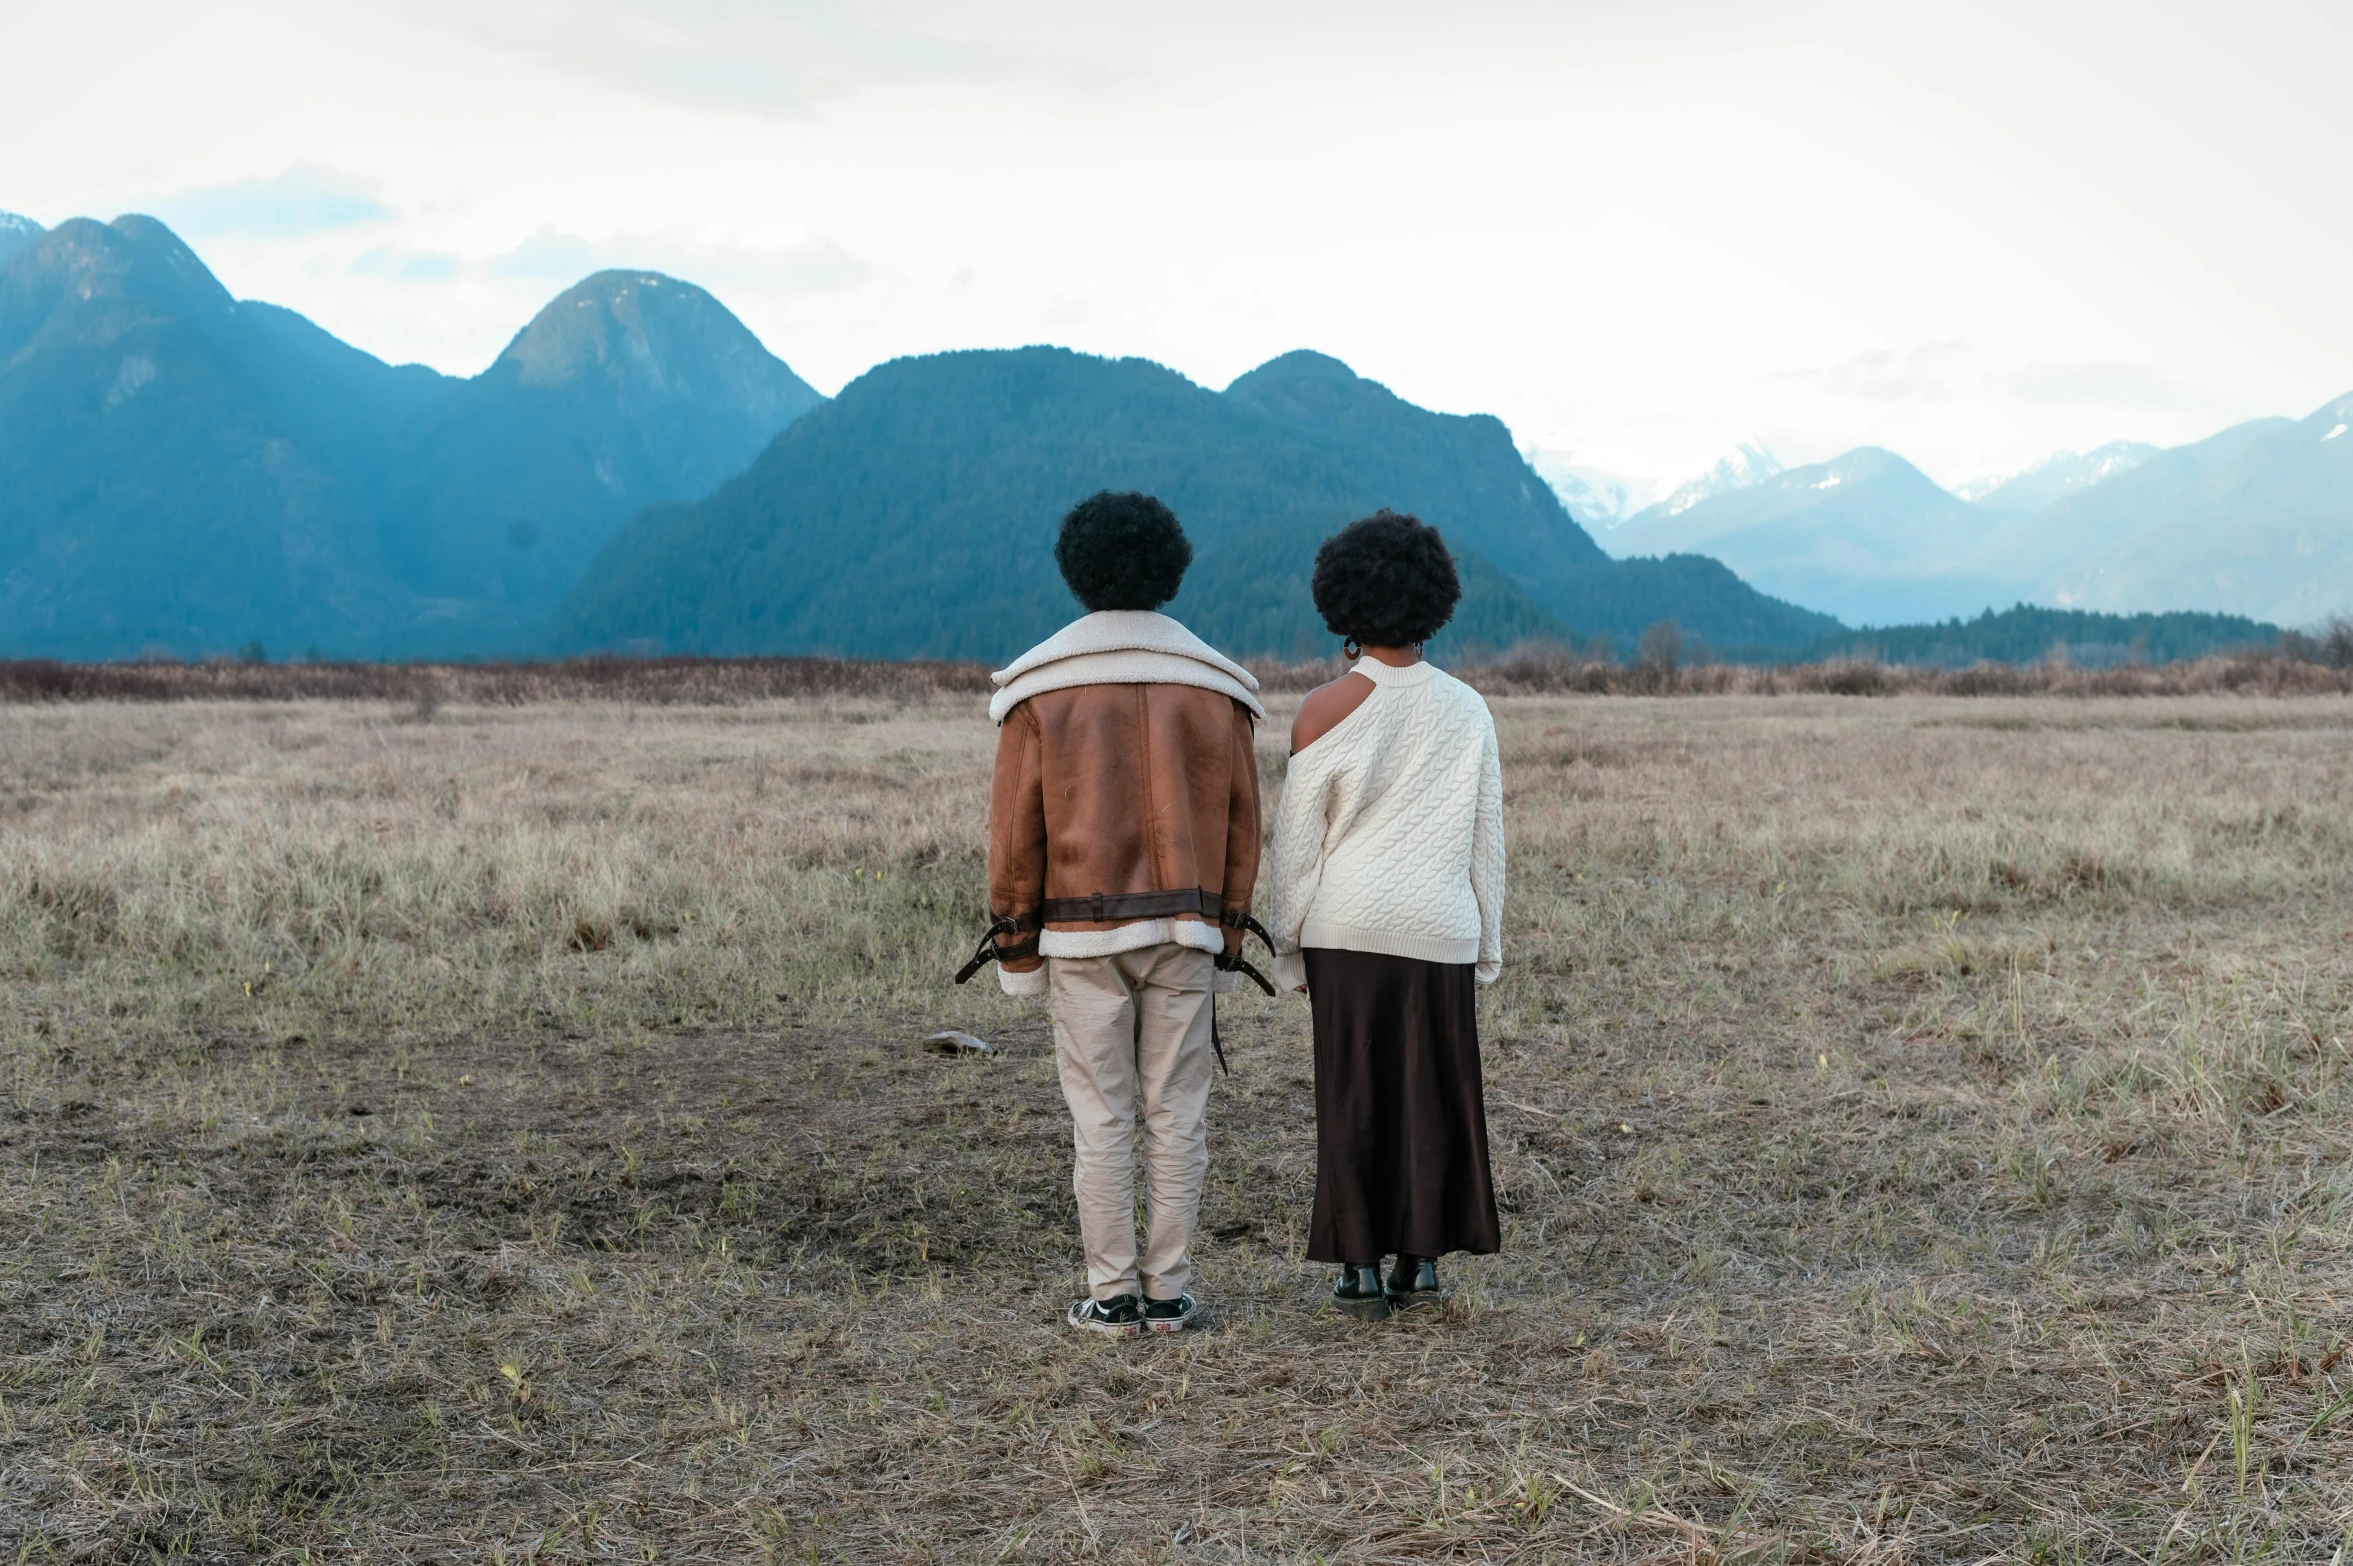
x=304 y=198
x=1926 y=373
x=2134 y=386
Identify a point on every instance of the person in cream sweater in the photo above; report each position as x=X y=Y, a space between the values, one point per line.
x=1387 y=866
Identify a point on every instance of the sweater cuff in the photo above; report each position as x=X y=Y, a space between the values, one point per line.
x=1025 y=984
x=1290 y=971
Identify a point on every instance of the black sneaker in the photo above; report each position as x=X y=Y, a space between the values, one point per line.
x=1414 y=1282
x=1117 y=1316
x=1171 y=1315
x=1358 y=1291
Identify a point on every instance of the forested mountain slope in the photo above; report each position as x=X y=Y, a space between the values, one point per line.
x=178 y=471
x=628 y=389
x=915 y=515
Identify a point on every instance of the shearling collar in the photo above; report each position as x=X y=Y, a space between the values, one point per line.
x=1121 y=647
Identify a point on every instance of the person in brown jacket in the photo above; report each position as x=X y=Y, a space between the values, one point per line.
x=1123 y=849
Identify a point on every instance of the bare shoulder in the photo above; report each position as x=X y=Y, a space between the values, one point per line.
x=1325 y=706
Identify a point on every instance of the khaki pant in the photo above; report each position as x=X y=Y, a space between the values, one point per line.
x=1132 y=1031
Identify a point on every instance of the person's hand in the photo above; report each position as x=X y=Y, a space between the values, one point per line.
x=1299 y=989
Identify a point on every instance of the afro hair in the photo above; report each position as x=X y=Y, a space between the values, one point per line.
x=1122 y=551
x=1387 y=581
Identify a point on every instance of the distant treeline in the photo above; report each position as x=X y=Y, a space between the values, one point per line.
x=428 y=686
x=2025 y=634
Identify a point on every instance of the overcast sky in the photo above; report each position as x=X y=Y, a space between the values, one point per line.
x=1973 y=233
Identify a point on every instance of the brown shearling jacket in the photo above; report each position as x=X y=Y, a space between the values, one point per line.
x=1115 y=803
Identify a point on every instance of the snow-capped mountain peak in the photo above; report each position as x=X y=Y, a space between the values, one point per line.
x=1744 y=465
x=2056 y=476
x=1597 y=498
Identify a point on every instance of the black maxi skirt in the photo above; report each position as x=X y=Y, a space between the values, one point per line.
x=1400 y=1113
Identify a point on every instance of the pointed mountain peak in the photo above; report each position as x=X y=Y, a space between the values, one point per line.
x=160 y=254
x=2056 y=476
x=132 y=257
x=1300 y=364
x=1304 y=386
x=1864 y=461
x=83 y=270
x=619 y=324
x=1744 y=466
x=1863 y=465
x=650 y=339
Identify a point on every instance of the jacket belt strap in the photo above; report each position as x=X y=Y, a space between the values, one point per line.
x=1024 y=928
x=1240 y=919
x=1121 y=905
x=1248 y=972
x=1103 y=907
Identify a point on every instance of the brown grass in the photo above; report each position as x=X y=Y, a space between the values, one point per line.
x=500 y=1133
x=1551 y=671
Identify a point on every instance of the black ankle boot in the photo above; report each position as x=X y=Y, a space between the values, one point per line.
x=1358 y=1291
x=1414 y=1281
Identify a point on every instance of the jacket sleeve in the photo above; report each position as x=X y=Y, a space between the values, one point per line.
x=1242 y=842
x=1487 y=859
x=1295 y=861
x=1017 y=845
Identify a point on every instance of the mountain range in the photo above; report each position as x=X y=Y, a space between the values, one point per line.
x=2256 y=521
x=2056 y=477
x=1596 y=497
x=1866 y=536
x=186 y=472
x=915 y=513
x=1605 y=501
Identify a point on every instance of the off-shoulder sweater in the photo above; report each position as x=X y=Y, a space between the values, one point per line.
x=1389 y=834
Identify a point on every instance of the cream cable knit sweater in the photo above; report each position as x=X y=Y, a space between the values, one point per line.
x=1389 y=835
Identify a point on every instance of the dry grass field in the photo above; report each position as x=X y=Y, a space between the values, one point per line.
x=441 y=1131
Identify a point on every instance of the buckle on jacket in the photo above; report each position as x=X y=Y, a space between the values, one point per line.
x=1005 y=924
x=1240 y=919
x=1233 y=962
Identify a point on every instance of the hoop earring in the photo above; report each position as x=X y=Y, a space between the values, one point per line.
x=1351 y=650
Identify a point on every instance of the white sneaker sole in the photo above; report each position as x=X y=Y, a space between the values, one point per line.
x=1078 y=1322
